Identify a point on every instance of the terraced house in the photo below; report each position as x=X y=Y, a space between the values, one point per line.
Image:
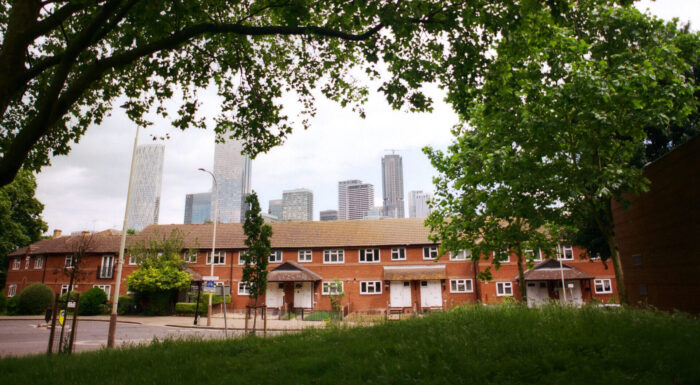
x=380 y=265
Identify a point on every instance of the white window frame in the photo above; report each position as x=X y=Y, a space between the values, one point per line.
x=107 y=269
x=26 y=262
x=106 y=288
x=339 y=255
x=243 y=288
x=275 y=256
x=326 y=287
x=364 y=254
x=189 y=254
x=398 y=254
x=240 y=258
x=16 y=263
x=64 y=288
x=431 y=252
x=462 y=255
x=504 y=289
x=602 y=282
x=68 y=264
x=466 y=283
x=305 y=255
x=562 y=251
x=535 y=256
x=11 y=290
x=218 y=258
x=39 y=262
x=370 y=287
x=507 y=260
x=132 y=260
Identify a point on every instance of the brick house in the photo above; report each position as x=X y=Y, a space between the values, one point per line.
x=379 y=264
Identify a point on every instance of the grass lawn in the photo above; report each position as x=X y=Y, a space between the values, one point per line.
x=494 y=345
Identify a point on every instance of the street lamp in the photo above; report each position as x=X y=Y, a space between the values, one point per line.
x=213 y=241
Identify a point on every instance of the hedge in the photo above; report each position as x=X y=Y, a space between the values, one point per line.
x=91 y=301
x=189 y=308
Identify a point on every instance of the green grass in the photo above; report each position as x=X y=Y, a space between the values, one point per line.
x=492 y=345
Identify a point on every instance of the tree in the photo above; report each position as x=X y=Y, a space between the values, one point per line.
x=63 y=64
x=574 y=100
x=489 y=204
x=20 y=215
x=80 y=246
x=257 y=240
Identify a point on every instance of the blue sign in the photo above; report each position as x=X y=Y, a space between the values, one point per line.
x=210 y=284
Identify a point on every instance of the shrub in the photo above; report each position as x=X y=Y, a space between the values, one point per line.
x=158 y=303
x=189 y=308
x=91 y=300
x=127 y=305
x=13 y=305
x=204 y=298
x=3 y=301
x=35 y=298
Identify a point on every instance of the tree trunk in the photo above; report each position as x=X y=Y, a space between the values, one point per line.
x=617 y=266
x=521 y=279
x=255 y=314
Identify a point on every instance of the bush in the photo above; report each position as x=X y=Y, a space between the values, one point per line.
x=127 y=305
x=91 y=300
x=189 y=308
x=3 y=301
x=204 y=298
x=13 y=305
x=35 y=298
x=158 y=303
x=65 y=297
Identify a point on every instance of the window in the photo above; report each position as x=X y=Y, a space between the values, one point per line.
x=504 y=288
x=132 y=260
x=460 y=256
x=504 y=256
x=69 y=262
x=39 y=262
x=369 y=255
x=107 y=266
x=105 y=288
x=334 y=256
x=241 y=258
x=430 y=252
x=243 y=288
x=26 y=263
x=191 y=256
x=461 y=286
x=64 y=288
x=603 y=286
x=371 y=287
x=332 y=287
x=305 y=256
x=16 y=263
x=398 y=254
x=275 y=256
x=531 y=255
x=565 y=252
x=11 y=290
x=219 y=258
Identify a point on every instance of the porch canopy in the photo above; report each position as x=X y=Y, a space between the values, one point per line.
x=417 y=272
x=551 y=270
x=196 y=277
x=291 y=271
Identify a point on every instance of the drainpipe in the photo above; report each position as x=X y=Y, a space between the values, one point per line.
x=477 y=289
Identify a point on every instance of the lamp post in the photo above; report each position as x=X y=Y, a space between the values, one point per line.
x=213 y=241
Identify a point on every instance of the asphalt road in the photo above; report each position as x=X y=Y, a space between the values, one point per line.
x=23 y=337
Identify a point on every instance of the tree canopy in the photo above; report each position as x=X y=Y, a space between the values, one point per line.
x=256 y=258
x=160 y=266
x=63 y=64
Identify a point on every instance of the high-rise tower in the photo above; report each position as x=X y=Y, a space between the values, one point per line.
x=359 y=199
x=144 y=203
x=275 y=208
x=297 y=205
x=343 y=197
x=392 y=186
x=418 y=204
x=197 y=208
x=232 y=171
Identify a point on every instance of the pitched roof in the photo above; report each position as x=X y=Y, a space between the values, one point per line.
x=103 y=242
x=551 y=270
x=417 y=272
x=291 y=271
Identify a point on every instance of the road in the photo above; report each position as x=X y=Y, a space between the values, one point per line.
x=23 y=337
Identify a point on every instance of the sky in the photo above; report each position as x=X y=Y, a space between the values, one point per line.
x=86 y=190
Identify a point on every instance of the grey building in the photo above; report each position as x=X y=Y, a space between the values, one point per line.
x=197 y=208
x=275 y=208
x=392 y=186
x=144 y=202
x=418 y=204
x=328 y=215
x=376 y=212
x=343 y=197
x=297 y=205
x=232 y=171
x=359 y=199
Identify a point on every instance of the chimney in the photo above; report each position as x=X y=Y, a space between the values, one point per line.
x=84 y=233
x=57 y=233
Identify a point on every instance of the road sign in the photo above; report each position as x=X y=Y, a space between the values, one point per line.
x=62 y=317
x=209 y=286
x=210 y=278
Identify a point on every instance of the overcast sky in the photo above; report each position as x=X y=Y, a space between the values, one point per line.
x=86 y=190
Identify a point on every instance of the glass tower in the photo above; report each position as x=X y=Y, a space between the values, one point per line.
x=144 y=203
x=232 y=171
x=392 y=186
x=197 y=208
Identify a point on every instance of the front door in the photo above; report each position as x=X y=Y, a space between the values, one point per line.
x=274 y=296
x=430 y=294
x=303 y=294
x=537 y=293
x=574 y=292
x=400 y=293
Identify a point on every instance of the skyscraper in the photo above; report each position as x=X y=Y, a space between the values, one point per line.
x=232 y=171
x=392 y=186
x=297 y=205
x=343 y=197
x=359 y=198
x=275 y=208
x=144 y=203
x=418 y=204
x=197 y=208
x=328 y=215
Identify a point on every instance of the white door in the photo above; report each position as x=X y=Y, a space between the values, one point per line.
x=430 y=294
x=302 y=294
x=274 y=294
x=400 y=293
x=537 y=293
x=574 y=292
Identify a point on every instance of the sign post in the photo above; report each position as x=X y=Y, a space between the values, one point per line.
x=196 y=308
